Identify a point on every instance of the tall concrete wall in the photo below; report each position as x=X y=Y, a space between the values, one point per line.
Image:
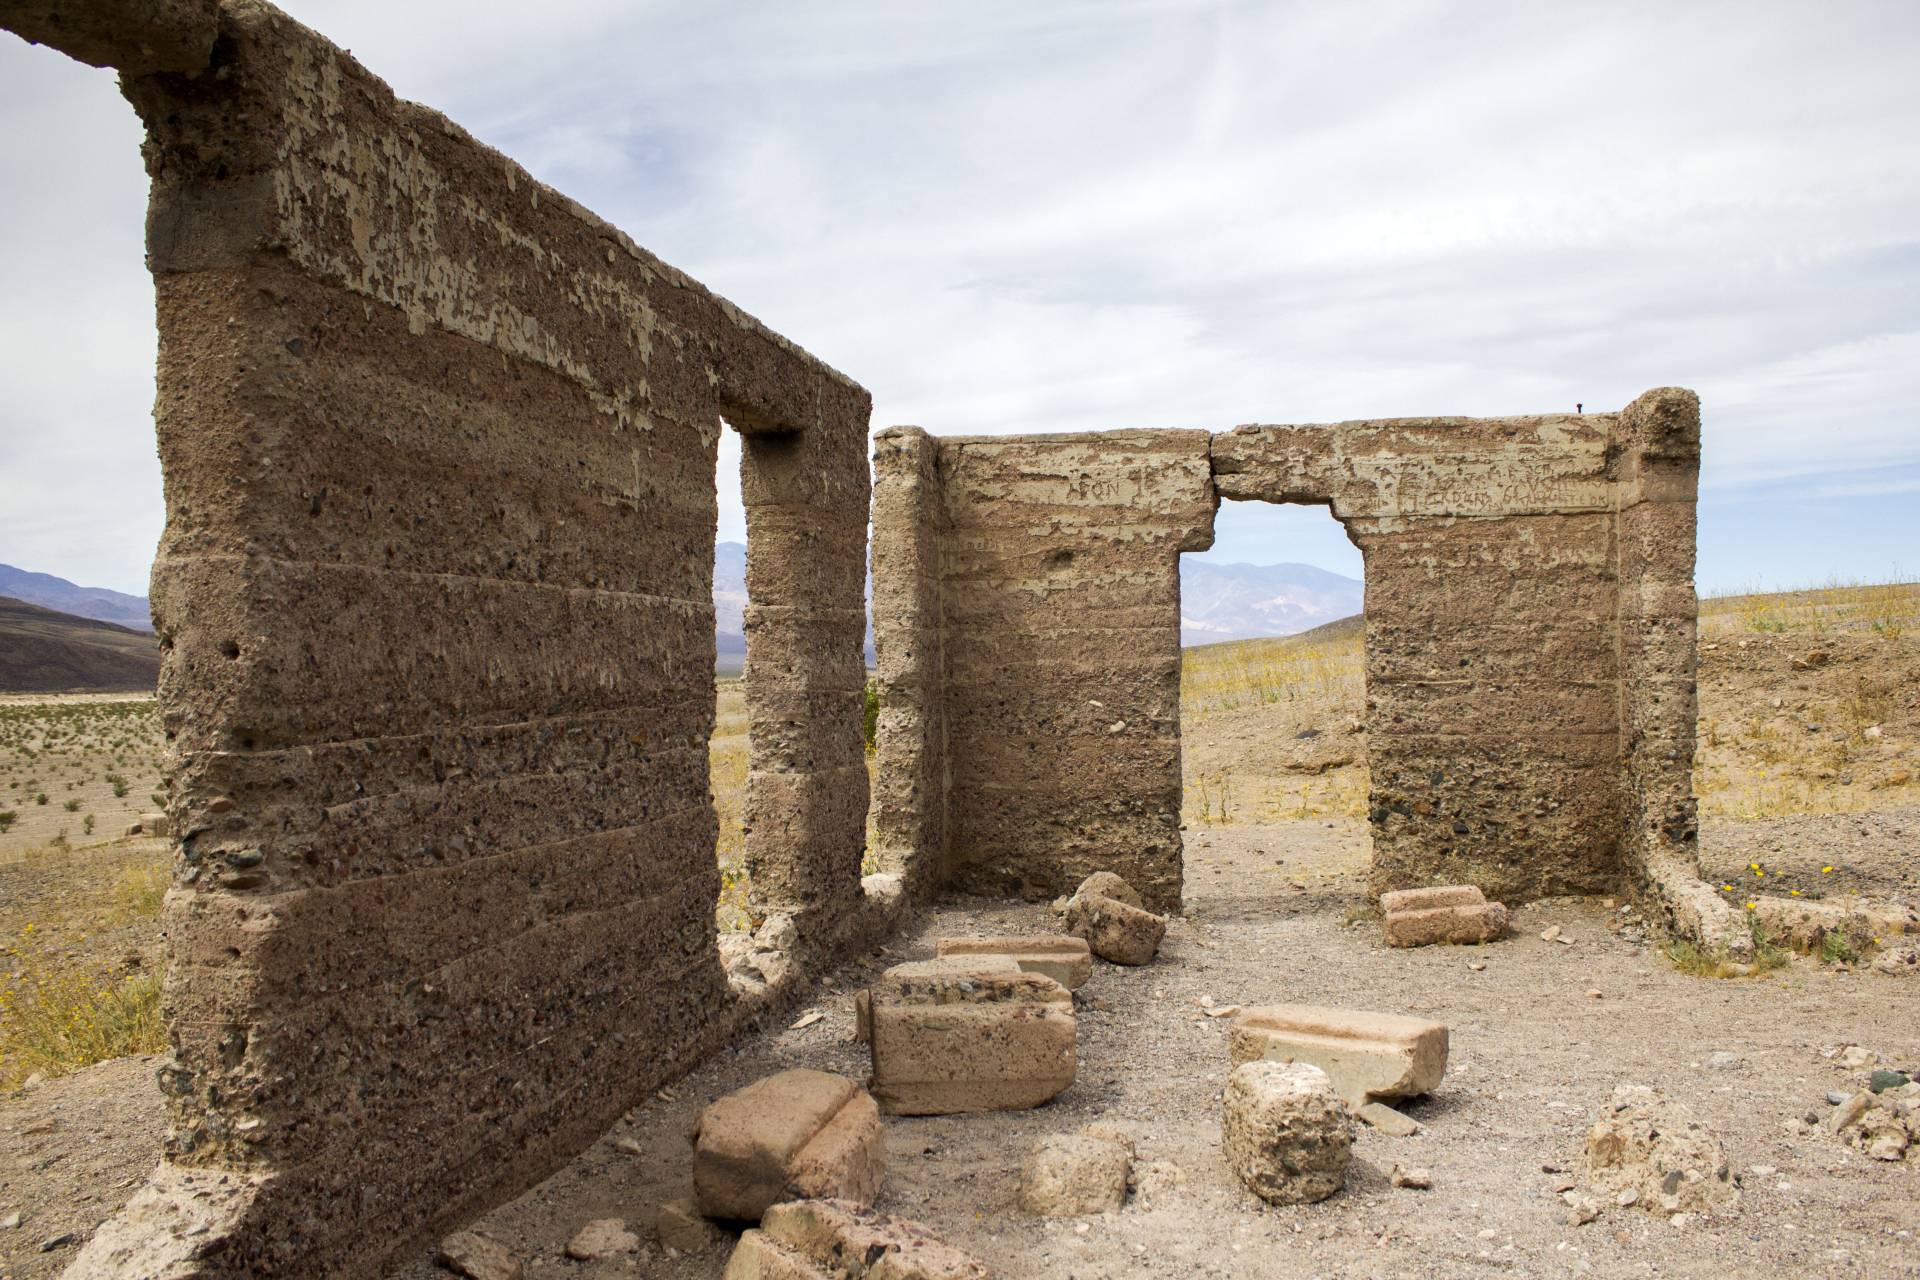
x=1529 y=643
x=434 y=597
x=910 y=793
x=1059 y=634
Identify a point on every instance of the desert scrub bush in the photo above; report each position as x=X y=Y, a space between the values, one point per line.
x=1696 y=961
x=1837 y=948
x=58 y=1018
x=40 y=798
x=7 y=818
x=71 y=806
x=86 y=825
x=119 y=785
x=159 y=800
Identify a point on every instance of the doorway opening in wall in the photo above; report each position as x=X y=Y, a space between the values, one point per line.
x=727 y=750
x=82 y=867
x=1272 y=704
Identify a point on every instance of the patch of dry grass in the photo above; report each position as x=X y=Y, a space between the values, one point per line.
x=61 y=1010
x=1218 y=678
x=1883 y=608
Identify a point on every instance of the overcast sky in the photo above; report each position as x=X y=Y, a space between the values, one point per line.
x=1080 y=214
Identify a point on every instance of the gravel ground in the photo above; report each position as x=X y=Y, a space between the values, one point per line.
x=1533 y=1056
x=1267 y=921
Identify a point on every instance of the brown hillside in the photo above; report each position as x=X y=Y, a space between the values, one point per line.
x=42 y=651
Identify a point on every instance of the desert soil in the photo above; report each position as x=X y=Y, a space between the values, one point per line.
x=1533 y=1056
x=1275 y=913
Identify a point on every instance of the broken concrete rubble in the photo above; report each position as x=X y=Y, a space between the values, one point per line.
x=1114 y=929
x=834 y=1240
x=797 y=1134
x=1286 y=1133
x=1653 y=1147
x=601 y=1239
x=477 y=1257
x=1369 y=1056
x=945 y=1042
x=1070 y=1175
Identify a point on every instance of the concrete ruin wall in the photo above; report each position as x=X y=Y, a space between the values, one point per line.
x=1529 y=641
x=1058 y=598
x=435 y=603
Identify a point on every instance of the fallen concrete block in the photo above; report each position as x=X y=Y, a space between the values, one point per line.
x=946 y=1041
x=796 y=1134
x=1287 y=1136
x=1458 y=925
x=1075 y=1174
x=1068 y=961
x=1106 y=884
x=834 y=1240
x=1369 y=1056
x=1449 y=895
x=1114 y=930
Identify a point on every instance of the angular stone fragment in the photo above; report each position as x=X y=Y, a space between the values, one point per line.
x=944 y=1042
x=1286 y=1133
x=600 y=1239
x=678 y=1225
x=1369 y=1056
x=1115 y=931
x=1653 y=1146
x=1395 y=1124
x=1458 y=925
x=1075 y=1174
x=477 y=1257
x=151 y=824
x=1108 y=885
x=1068 y=961
x=834 y=1240
x=800 y=1133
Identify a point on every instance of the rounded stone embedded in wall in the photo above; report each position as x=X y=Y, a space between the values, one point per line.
x=1287 y=1136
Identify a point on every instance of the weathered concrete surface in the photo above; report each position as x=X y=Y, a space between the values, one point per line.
x=1285 y=1133
x=136 y=37
x=1068 y=961
x=1050 y=686
x=797 y=1134
x=1448 y=913
x=833 y=1240
x=434 y=598
x=947 y=1041
x=1529 y=646
x=1529 y=641
x=1368 y=1055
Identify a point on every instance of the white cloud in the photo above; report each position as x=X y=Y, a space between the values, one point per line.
x=1007 y=216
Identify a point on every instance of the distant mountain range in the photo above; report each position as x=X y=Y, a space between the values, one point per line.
x=43 y=651
x=97 y=603
x=1217 y=602
x=1245 y=601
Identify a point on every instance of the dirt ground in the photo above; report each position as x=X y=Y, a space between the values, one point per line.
x=1267 y=921
x=1275 y=912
